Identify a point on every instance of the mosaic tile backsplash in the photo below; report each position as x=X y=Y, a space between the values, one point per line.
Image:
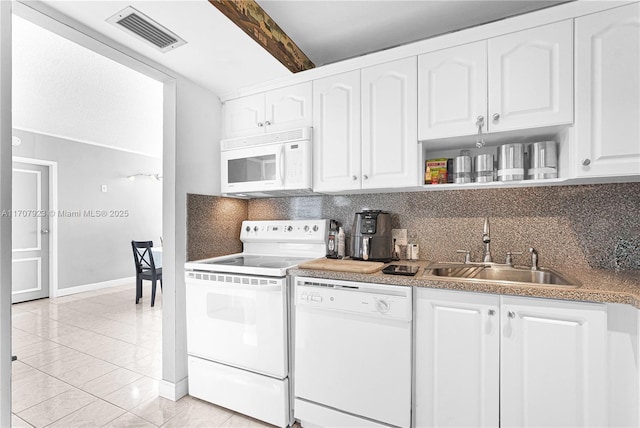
x=213 y=226
x=594 y=226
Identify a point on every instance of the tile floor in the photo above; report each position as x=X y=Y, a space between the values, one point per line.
x=94 y=359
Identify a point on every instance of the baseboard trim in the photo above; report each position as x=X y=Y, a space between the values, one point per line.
x=94 y=286
x=174 y=391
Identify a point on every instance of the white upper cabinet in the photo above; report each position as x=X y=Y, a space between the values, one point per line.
x=289 y=108
x=553 y=363
x=452 y=85
x=517 y=81
x=336 y=133
x=243 y=116
x=531 y=78
x=608 y=92
x=272 y=111
x=390 y=151
x=365 y=129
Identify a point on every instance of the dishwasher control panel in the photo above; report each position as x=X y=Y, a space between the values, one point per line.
x=388 y=301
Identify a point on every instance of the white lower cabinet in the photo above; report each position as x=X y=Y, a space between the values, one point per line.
x=489 y=360
x=552 y=363
x=457 y=359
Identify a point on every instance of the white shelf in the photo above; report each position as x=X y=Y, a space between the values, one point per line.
x=496 y=184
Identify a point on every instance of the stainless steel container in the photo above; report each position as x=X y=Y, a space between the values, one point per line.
x=462 y=169
x=544 y=161
x=484 y=168
x=511 y=162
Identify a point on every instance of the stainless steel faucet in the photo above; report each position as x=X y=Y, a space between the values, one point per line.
x=534 y=259
x=486 y=240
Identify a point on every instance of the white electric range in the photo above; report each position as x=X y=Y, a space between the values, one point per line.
x=238 y=318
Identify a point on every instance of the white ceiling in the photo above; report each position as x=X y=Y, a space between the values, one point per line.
x=330 y=31
x=222 y=58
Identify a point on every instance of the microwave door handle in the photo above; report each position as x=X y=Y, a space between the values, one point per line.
x=282 y=154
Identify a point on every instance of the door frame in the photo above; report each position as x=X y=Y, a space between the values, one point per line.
x=53 y=219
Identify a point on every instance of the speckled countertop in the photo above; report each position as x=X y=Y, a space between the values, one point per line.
x=599 y=286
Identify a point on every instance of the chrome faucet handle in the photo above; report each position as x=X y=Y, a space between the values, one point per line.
x=510 y=254
x=534 y=258
x=467 y=255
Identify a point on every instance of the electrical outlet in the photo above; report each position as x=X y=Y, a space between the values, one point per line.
x=399 y=236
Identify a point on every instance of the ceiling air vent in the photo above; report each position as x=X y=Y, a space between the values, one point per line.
x=138 y=24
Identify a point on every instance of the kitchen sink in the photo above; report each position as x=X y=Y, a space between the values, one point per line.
x=500 y=273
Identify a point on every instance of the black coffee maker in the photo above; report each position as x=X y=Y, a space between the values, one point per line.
x=371 y=236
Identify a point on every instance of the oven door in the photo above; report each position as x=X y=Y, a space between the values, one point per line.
x=238 y=320
x=253 y=169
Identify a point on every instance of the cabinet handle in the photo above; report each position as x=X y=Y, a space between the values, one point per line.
x=496 y=116
x=586 y=162
x=260 y=125
x=267 y=123
x=491 y=312
x=366 y=177
x=511 y=314
x=354 y=178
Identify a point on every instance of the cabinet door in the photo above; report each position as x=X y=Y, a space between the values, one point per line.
x=336 y=133
x=288 y=108
x=531 y=78
x=243 y=116
x=457 y=339
x=553 y=363
x=452 y=91
x=608 y=92
x=389 y=125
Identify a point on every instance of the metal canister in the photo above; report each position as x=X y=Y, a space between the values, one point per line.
x=511 y=162
x=484 y=168
x=544 y=161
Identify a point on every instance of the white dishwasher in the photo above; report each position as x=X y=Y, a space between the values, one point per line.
x=352 y=354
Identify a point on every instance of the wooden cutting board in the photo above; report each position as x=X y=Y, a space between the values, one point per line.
x=357 y=266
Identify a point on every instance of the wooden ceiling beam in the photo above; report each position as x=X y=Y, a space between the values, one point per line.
x=253 y=20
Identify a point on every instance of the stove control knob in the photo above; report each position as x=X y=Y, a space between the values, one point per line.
x=255 y=228
x=382 y=306
x=248 y=229
x=315 y=228
x=306 y=228
x=289 y=228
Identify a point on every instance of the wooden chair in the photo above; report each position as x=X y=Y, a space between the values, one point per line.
x=145 y=268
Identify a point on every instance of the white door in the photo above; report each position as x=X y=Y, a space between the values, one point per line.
x=531 y=78
x=30 y=231
x=336 y=133
x=243 y=116
x=389 y=125
x=553 y=363
x=288 y=108
x=608 y=92
x=457 y=348
x=452 y=91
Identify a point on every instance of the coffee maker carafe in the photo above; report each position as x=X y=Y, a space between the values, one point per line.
x=371 y=236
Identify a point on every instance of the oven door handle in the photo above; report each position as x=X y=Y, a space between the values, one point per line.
x=230 y=287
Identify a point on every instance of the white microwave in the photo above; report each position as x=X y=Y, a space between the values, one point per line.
x=275 y=164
